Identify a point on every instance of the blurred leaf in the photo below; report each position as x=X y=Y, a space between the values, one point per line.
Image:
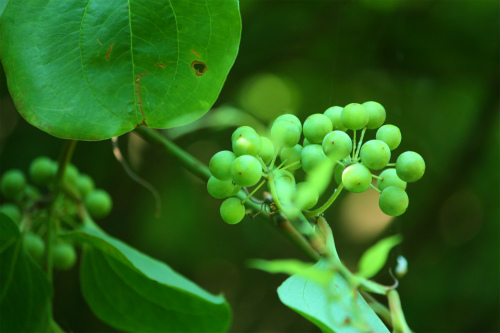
x=321 y=175
x=26 y=293
x=97 y=69
x=133 y=292
x=332 y=307
x=375 y=257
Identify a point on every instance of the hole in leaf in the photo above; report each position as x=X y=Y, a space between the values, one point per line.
x=199 y=67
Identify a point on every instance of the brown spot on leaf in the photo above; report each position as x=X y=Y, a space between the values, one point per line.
x=199 y=67
x=99 y=41
x=109 y=51
x=159 y=64
x=195 y=53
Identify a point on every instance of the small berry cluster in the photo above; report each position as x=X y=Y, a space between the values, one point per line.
x=325 y=139
x=29 y=207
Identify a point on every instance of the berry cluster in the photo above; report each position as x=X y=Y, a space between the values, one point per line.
x=29 y=207
x=325 y=138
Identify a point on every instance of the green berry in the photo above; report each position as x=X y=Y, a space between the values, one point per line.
x=311 y=157
x=356 y=178
x=410 y=166
x=291 y=155
x=285 y=133
x=337 y=145
x=13 y=183
x=393 y=201
x=34 y=246
x=12 y=211
x=220 y=164
x=306 y=196
x=284 y=176
x=232 y=210
x=316 y=127
x=71 y=175
x=290 y=118
x=220 y=189
x=389 y=177
x=337 y=173
x=284 y=183
x=247 y=143
x=246 y=170
x=376 y=114
x=43 y=170
x=354 y=116
x=63 y=256
x=375 y=154
x=334 y=114
x=85 y=184
x=98 y=203
x=390 y=134
x=241 y=130
x=267 y=150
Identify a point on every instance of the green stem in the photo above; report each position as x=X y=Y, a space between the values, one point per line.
x=274 y=159
x=253 y=192
x=398 y=318
x=360 y=142
x=375 y=188
x=391 y=164
x=353 y=143
x=290 y=165
x=327 y=204
x=275 y=194
x=281 y=164
x=264 y=167
x=380 y=309
x=377 y=177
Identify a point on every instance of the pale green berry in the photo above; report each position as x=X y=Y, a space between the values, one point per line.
x=376 y=114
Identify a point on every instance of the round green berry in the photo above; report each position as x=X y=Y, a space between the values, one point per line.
x=284 y=176
x=63 y=256
x=98 y=203
x=43 y=170
x=220 y=189
x=410 y=166
x=85 y=184
x=241 y=130
x=354 y=116
x=337 y=173
x=390 y=134
x=376 y=114
x=220 y=164
x=13 y=183
x=71 y=175
x=306 y=195
x=311 y=156
x=356 y=178
x=393 y=201
x=375 y=154
x=334 y=114
x=266 y=150
x=291 y=155
x=389 y=177
x=34 y=246
x=316 y=127
x=290 y=118
x=247 y=143
x=285 y=133
x=12 y=211
x=246 y=170
x=232 y=210
x=337 y=145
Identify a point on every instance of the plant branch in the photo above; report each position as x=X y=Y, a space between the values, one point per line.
x=327 y=204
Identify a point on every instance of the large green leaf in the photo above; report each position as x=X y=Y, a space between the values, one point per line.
x=25 y=292
x=133 y=292
x=332 y=308
x=94 y=69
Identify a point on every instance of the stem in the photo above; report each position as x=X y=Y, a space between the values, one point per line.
x=274 y=158
x=253 y=192
x=391 y=164
x=375 y=188
x=353 y=143
x=275 y=194
x=360 y=142
x=290 y=165
x=264 y=167
x=380 y=309
x=398 y=318
x=327 y=204
x=281 y=164
x=377 y=177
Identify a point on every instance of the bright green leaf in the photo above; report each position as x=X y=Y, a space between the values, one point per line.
x=133 y=292
x=95 y=69
x=332 y=307
x=25 y=292
x=375 y=257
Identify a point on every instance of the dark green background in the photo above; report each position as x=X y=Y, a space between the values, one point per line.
x=434 y=65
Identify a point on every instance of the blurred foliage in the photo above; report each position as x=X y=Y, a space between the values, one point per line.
x=434 y=65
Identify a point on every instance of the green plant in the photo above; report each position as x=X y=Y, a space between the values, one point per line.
x=161 y=88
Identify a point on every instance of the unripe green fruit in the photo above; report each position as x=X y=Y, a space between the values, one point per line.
x=220 y=189
x=34 y=246
x=285 y=133
x=337 y=145
x=71 y=175
x=337 y=173
x=13 y=183
x=284 y=176
x=232 y=211
x=12 y=211
x=312 y=156
x=220 y=164
x=267 y=150
x=291 y=155
x=410 y=166
x=290 y=118
x=334 y=114
x=247 y=143
x=376 y=114
x=246 y=170
x=43 y=170
x=306 y=196
x=393 y=201
x=241 y=130
x=354 y=116
x=85 y=184
x=357 y=178
x=388 y=178
x=98 y=203
x=375 y=154
x=63 y=256
x=316 y=127
x=390 y=134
